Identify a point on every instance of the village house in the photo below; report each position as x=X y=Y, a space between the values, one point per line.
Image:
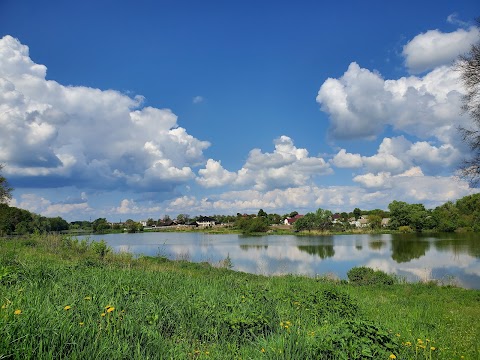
x=205 y=221
x=291 y=220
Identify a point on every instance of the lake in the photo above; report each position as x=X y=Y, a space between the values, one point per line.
x=449 y=258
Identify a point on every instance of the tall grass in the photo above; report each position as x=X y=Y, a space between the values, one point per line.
x=63 y=298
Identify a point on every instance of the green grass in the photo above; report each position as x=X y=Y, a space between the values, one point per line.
x=161 y=309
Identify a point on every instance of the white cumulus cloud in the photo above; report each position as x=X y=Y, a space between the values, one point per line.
x=286 y=166
x=434 y=48
x=57 y=135
x=361 y=103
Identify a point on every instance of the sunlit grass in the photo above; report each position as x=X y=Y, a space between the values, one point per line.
x=62 y=298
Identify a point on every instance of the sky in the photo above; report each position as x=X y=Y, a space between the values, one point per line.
x=136 y=110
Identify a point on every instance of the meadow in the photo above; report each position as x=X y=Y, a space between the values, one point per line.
x=62 y=298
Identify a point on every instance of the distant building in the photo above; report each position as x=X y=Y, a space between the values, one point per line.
x=385 y=222
x=205 y=221
x=291 y=220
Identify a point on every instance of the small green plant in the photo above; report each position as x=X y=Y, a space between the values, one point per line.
x=405 y=229
x=366 y=276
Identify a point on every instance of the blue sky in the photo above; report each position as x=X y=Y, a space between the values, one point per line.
x=126 y=110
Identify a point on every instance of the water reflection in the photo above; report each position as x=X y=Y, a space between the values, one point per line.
x=415 y=257
x=376 y=244
x=406 y=247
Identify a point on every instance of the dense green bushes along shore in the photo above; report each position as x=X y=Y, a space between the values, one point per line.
x=61 y=298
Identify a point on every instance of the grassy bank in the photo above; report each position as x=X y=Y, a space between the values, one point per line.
x=67 y=299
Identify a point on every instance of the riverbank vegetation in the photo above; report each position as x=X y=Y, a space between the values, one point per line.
x=460 y=216
x=64 y=298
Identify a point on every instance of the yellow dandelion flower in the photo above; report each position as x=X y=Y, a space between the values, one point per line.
x=68 y=307
x=81 y=323
x=263 y=350
x=87 y=298
x=207 y=352
x=17 y=312
x=102 y=314
x=110 y=309
x=392 y=356
x=408 y=343
x=286 y=326
x=108 y=306
x=397 y=335
x=432 y=348
x=419 y=341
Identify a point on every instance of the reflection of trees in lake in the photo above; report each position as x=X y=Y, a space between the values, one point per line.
x=407 y=247
x=376 y=244
x=460 y=244
x=258 y=247
x=323 y=251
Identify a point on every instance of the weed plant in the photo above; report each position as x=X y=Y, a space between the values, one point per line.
x=67 y=299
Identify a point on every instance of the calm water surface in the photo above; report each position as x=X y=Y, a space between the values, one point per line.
x=451 y=258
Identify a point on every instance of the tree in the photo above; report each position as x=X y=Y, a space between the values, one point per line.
x=183 y=218
x=469 y=68
x=403 y=214
x=100 y=225
x=308 y=222
x=446 y=217
x=262 y=213
x=323 y=219
x=357 y=213
x=375 y=221
x=5 y=189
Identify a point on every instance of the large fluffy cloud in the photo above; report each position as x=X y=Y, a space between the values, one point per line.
x=434 y=48
x=397 y=154
x=286 y=166
x=98 y=138
x=361 y=103
x=376 y=191
x=41 y=205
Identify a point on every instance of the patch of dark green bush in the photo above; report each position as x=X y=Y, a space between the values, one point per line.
x=366 y=276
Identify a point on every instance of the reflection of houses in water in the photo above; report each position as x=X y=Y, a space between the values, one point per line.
x=258 y=247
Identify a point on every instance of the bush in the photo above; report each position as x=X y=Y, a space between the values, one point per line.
x=367 y=276
x=405 y=229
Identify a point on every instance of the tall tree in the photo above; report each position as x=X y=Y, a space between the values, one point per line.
x=5 y=189
x=469 y=68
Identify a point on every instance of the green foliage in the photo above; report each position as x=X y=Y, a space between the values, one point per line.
x=375 y=221
x=307 y=222
x=357 y=213
x=320 y=220
x=133 y=226
x=74 y=304
x=252 y=225
x=20 y=221
x=100 y=225
x=403 y=214
x=262 y=213
x=405 y=229
x=366 y=276
x=446 y=217
x=5 y=188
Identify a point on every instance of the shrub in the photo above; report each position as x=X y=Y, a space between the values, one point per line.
x=405 y=229
x=367 y=276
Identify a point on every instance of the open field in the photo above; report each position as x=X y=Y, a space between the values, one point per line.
x=61 y=298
